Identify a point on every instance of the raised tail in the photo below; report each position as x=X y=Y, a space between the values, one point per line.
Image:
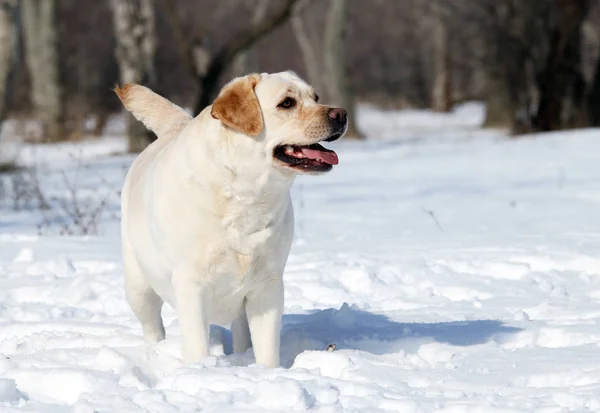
x=160 y=115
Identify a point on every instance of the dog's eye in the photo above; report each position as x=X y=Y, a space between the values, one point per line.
x=287 y=103
x=316 y=98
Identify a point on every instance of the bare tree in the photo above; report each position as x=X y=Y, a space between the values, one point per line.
x=335 y=62
x=504 y=59
x=441 y=99
x=207 y=67
x=506 y=46
x=312 y=63
x=593 y=98
x=7 y=48
x=42 y=55
x=328 y=72
x=136 y=42
x=561 y=82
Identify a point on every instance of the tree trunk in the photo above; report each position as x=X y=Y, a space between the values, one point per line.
x=441 y=97
x=41 y=38
x=136 y=43
x=336 y=81
x=312 y=63
x=242 y=65
x=593 y=98
x=500 y=111
x=562 y=71
x=7 y=48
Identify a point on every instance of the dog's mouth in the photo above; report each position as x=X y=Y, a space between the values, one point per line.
x=309 y=158
x=335 y=136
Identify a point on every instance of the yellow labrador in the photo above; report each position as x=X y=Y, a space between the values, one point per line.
x=207 y=220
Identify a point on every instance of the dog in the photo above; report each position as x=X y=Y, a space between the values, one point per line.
x=207 y=218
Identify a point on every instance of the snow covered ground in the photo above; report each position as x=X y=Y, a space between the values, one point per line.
x=456 y=270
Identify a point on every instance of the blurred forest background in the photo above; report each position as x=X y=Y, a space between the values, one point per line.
x=535 y=63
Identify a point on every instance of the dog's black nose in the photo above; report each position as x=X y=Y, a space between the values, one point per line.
x=337 y=114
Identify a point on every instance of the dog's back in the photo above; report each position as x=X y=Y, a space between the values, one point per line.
x=166 y=120
x=159 y=115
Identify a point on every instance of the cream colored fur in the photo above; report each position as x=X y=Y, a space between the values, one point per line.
x=152 y=110
x=207 y=220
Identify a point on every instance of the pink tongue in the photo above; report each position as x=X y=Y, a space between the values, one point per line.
x=327 y=157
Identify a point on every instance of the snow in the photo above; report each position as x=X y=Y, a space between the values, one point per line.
x=455 y=270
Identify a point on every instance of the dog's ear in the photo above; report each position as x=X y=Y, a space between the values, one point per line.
x=237 y=106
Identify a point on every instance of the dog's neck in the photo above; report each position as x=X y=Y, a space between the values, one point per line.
x=246 y=189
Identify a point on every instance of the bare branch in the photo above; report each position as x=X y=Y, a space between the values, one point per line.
x=241 y=61
x=242 y=41
x=184 y=44
x=434 y=218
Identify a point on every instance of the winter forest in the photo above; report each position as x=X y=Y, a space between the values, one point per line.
x=535 y=63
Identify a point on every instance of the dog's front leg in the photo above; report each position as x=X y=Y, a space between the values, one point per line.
x=192 y=311
x=264 y=309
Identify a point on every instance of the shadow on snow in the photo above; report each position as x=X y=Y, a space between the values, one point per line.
x=353 y=329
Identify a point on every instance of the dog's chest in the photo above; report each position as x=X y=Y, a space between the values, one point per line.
x=239 y=258
x=232 y=276
x=249 y=254
x=248 y=235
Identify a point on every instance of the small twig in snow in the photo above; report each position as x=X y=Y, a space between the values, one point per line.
x=432 y=215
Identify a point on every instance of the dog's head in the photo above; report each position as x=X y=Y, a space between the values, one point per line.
x=281 y=113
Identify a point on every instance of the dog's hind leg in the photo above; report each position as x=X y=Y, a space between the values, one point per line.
x=142 y=299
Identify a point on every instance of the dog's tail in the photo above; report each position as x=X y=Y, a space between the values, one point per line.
x=159 y=115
